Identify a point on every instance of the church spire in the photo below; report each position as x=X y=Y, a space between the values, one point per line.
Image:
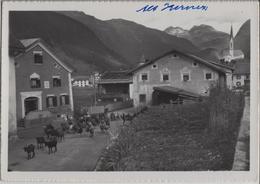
x=231 y=43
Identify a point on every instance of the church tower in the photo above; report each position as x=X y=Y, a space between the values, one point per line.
x=231 y=43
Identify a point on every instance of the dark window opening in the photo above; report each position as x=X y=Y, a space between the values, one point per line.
x=51 y=101
x=35 y=83
x=154 y=66
x=142 y=98
x=186 y=77
x=64 y=100
x=208 y=76
x=165 y=77
x=38 y=58
x=56 y=82
x=144 y=77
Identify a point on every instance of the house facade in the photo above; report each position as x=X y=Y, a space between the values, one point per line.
x=241 y=75
x=43 y=82
x=176 y=74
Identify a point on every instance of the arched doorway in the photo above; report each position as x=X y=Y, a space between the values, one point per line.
x=30 y=104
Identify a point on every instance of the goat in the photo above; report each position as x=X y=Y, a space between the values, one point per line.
x=51 y=144
x=40 y=142
x=29 y=149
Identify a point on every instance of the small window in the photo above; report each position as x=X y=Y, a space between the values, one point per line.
x=185 y=77
x=194 y=64
x=56 y=81
x=51 y=101
x=142 y=98
x=174 y=55
x=38 y=57
x=165 y=77
x=64 y=100
x=208 y=76
x=247 y=77
x=238 y=76
x=238 y=84
x=144 y=77
x=154 y=66
x=35 y=83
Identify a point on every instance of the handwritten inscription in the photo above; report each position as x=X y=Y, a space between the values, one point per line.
x=171 y=7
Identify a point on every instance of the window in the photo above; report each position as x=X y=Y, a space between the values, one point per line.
x=208 y=76
x=56 y=81
x=64 y=100
x=238 y=76
x=142 y=98
x=186 y=77
x=238 y=84
x=194 y=64
x=154 y=66
x=144 y=77
x=165 y=77
x=35 y=83
x=51 y=101
x=37 y=57
x=247 y=77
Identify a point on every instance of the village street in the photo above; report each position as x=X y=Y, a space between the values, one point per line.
x=75 y=153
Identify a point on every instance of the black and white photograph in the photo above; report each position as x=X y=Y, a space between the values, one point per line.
x=129 y=86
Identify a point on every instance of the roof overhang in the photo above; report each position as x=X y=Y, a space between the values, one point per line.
x=177 y=91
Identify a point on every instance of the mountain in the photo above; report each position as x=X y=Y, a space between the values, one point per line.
x=202 y=36
x=132 y=40
x=179 y=32
x=242 y=39
x=73 y=42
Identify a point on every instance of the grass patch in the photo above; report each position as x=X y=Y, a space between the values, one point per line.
x=175 y=138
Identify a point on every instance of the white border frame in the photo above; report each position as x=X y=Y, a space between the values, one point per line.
x=133 y=177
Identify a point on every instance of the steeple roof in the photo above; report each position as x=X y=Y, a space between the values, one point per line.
x=231 y=32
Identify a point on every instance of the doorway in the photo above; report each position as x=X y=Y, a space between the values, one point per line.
x=30 y=104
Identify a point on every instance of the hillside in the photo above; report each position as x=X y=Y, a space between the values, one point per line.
x=132 y=40
x=73 y=42
x=242 y=39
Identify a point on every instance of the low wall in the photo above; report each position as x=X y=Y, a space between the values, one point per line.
x=119 y=105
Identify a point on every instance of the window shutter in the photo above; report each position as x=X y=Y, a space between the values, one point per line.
x=67 y=100
x=55 y=101
x=47 y=102
x=61 y=101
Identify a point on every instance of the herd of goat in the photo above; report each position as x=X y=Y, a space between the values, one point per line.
x=55 y=135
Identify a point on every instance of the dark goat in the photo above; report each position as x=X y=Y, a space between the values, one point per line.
x=40 y=142
x=30 y=151
x=51 y=144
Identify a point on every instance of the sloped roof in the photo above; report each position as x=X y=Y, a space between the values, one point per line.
x=242 y=67
x=116 y=77
x=28 y=42
x=32 y=42
x=189 y=55
x=178 y=91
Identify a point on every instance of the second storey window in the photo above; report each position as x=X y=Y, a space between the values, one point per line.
x=38 y=57
x=35 y=81
x=186 y=77
x=144 y=77
x=56 y=81
x=238 y=76
x=165 y=77
x=64 y=100
x=208 y=76
x=51 y=101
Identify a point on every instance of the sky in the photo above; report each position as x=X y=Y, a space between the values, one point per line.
x=218 y=15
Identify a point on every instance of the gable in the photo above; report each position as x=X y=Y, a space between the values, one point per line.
x=49 y=52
